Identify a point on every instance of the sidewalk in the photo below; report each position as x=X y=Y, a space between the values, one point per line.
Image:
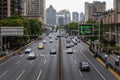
x=110 y=59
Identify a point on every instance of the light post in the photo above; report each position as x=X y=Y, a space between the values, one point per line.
x=97 y=14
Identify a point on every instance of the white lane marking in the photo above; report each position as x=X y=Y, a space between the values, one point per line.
x=72 y=55
x=42 y=55
x=31 y=62
x=39 y=74
x=53 y=55
x=47 y=55
x=45 y=61
x=92 y=65
x=6 y=61
x=22 y=55
x=3 y=74
x=17 y=62
x=80 y=72
x=20 y=75
x=75 y=61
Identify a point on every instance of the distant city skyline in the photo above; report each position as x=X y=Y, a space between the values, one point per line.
x=76 y=5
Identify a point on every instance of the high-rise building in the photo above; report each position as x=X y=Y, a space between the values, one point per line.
x=50 y=16
x=82 y=17
x=67 y=15
x=75 y=17
x=10 y=7
x=60 y=19
x=91 y=8
x=116 y=5
x=35 y=9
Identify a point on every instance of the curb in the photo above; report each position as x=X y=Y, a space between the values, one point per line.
x=15 y=52
x=100 y=61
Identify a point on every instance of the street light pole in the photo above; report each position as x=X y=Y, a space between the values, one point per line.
x=99 y=50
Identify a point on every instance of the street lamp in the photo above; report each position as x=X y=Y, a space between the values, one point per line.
x=97 y=14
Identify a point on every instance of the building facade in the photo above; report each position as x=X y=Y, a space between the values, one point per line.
x=75 y=17
x=10 y=7
x=35 y=9
x=111 y=20
x=60 y=19
x=50 y=16
x=67 y=15
x=91 y=8
x=82 y=17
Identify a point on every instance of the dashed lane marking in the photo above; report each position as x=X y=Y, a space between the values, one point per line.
x=20 y=75
x=3 y=74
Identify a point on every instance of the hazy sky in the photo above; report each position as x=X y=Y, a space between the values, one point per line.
x=74 y=5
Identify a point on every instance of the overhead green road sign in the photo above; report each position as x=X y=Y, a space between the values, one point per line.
x=86 y=29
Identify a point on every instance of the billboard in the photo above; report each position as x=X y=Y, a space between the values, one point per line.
x=12 y=31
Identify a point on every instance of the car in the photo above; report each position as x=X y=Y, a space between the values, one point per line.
x=41 y=46
x=31 y=55
x=51 y=41
x=69 y=51
x=78 y=41
x=72 y=44
x=53 y=51
x=67 y=40
x=56 y=38
x=68 y=45
x=84 y=66
x=27 y=50
x=50 y=36
x=44 y=41
x=74 y=41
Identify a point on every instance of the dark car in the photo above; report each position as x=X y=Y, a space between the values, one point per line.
x=84 y=66
x=53 y=51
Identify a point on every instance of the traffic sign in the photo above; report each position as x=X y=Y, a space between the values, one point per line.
x=86 y=29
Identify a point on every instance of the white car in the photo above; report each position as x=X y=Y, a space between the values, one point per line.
x=32 y=55
x=51 y=41
x=69 y=50
x=44 y=41
x=28 y=50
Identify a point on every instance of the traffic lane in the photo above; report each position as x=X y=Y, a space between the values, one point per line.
x=11 y=64
x=104 y=72
x=70 y=70
x=39 y=71
x=33 y=70
x=17 y=70
x=86 y=75
x=51 y=69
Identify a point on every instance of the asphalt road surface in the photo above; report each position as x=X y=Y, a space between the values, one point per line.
x=44 y=66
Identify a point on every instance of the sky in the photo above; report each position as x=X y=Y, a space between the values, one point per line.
x=74 y=5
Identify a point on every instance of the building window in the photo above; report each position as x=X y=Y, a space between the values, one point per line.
x=113 y=29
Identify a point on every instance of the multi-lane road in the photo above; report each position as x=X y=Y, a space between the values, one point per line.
x=44 y=67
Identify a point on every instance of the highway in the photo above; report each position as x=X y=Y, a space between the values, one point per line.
x=44 y=67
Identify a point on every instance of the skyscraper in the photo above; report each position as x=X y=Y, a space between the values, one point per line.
x=91 y=8
x=116 y=5
x=10 y=7
x=50 y=16
x=35 y=9
x=67 y=15
x=75 y=16
x=60 y=19
x=82 y=17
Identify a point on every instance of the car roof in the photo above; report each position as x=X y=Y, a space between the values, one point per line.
x=85 y=63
